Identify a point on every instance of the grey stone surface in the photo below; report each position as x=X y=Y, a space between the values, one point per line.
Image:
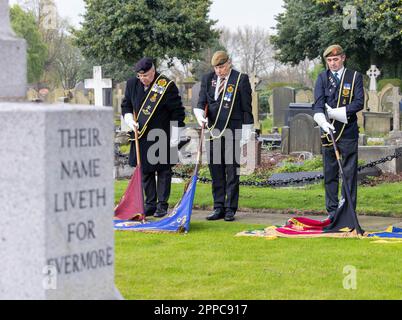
x=195 y=94
x=57 y=196
x=13 y=67
x=297 y=108
x=282 y=97
x=372 y=153
x=377 y=123
x=303 y=135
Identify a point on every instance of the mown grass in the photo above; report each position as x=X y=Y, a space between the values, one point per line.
x=211 y=263
x=383 y=199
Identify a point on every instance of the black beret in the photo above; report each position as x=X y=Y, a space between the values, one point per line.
x=143 y=65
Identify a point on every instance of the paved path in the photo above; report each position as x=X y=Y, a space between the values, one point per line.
x=367 y=222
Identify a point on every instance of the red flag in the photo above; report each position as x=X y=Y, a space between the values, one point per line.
x=131 y=206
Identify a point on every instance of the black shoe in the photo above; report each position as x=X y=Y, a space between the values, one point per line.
x=216 y=215
x=149 y=213
x=160 y=213
x=229 y=216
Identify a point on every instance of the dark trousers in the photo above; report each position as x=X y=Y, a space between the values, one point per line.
x=349 y=155
x=156 y=192
x=225 y=169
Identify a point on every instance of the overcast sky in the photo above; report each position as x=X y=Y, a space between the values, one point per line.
x=230 y=13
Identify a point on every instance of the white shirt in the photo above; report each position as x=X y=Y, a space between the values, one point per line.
x=218 y=83
x=339 y=72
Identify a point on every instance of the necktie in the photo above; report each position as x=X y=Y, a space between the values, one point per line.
x=337 y=77
x=221 y=86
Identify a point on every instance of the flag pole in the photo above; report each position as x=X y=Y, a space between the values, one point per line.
x=137 y=151
x=199 y=153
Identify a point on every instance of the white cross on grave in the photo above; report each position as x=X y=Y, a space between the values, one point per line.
x=373 y=73
x=98 y=84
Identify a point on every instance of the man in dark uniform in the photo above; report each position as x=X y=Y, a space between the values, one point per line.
x=339 y=96
x=152 y=104
x=227 y=93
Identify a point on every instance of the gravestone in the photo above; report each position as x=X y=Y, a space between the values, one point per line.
x=57 y=199
x=373 y=98
x=98 y=84
x=298 y=108
x=12 y=60
x=304 y=96
x=373 y=74
x=57 y=196
x=395 y=99
x=301 y=135
x=282 y=97
x=377 y=123
x=254 y=81
x=195 y=94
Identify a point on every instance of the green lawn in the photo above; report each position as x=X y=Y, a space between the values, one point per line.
x=383 y=199
x=211 y=263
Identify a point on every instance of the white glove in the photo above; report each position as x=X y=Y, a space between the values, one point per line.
x=323 y=123
x=338 y=114
x=129 y=120
x=199 y=114
x=175 y=134
x=246 y=132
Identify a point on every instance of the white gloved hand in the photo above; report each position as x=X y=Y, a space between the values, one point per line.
x=338 y=114
x=246 y=133
x=129 y=120
x=199 y=114
x=175 y=134
x=323 y=123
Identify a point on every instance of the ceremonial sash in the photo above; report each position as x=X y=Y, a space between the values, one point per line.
x=346 y=92
x=226 y=105
x=151 y=103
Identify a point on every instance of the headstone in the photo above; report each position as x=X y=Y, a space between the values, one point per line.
x=373 y=102
x=395 y=99
x=57 y=200
x=12 y=60
x=377 y=123
x=120 y=97
x=298 y=108
x=303 y=135
x=251 y=155
x=282 y=97
x=373 y=74
x=304 y=96
x=254 y=81
x=195 y=94
x=98 y=84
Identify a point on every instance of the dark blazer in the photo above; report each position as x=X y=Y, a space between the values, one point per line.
x=170 y=109
x=325 y=93
x=242 y=110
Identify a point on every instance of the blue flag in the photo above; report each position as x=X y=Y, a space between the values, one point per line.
x=177 y=221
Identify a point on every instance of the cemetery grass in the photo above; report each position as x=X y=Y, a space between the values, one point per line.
x=384 y=199
x=211 y=263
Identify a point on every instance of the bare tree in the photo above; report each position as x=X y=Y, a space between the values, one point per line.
x=250 y=49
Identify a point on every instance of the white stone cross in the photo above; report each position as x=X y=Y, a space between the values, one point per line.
x=373 y=73
x=98 y=84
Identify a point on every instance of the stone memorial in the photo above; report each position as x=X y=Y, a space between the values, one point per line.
x=282 y=97
x=98 y=84
x=57 y=196
x=301 y=135
x=57 y=199
x=12 y=59
x=377 y=123
x=297 y=108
